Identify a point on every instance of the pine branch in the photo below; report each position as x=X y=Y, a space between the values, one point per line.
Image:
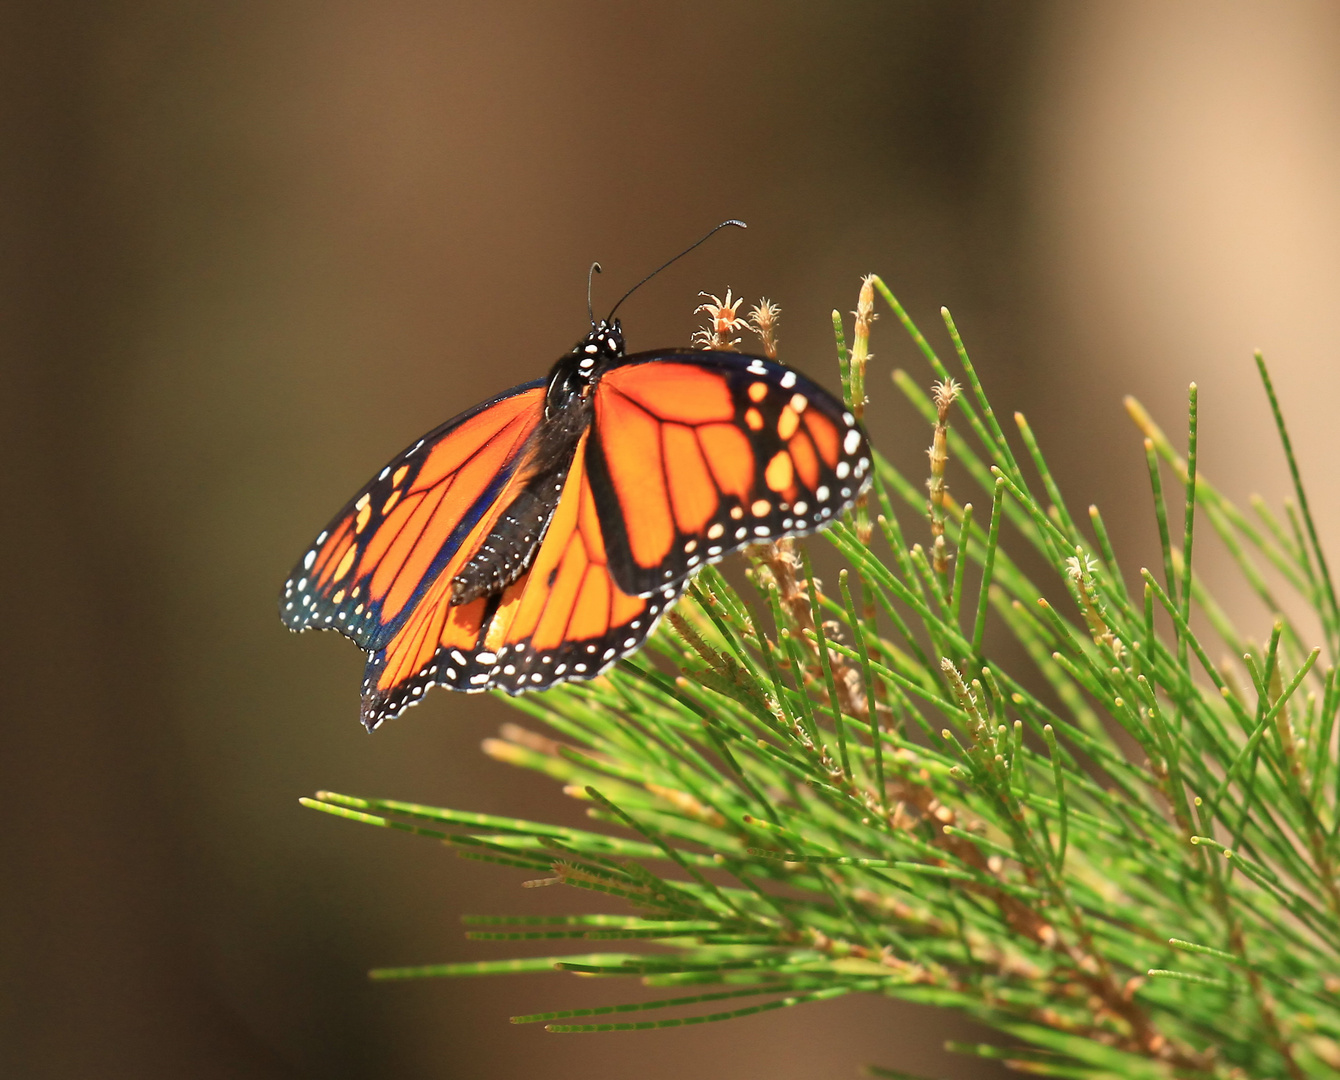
x=800 y=792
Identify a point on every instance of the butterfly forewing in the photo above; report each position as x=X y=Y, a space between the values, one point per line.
x=369 y=570
x=565 y=618
x=695 y=454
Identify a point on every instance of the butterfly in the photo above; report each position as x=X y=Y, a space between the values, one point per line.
x=539 y=537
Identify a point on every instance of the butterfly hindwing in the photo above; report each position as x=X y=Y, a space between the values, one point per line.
x=371 y=567
x=564 y=618
x=695 y=454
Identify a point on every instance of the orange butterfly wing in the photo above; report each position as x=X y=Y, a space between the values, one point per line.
x=686 y=457
x=369 y=570
x=695 y=454
x=564 y=618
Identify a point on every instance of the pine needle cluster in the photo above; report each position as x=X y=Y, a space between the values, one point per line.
x=1120 y=855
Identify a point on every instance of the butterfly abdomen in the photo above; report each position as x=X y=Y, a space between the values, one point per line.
x=507 y=551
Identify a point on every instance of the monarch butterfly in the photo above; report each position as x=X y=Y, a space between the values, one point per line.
x=540 y=536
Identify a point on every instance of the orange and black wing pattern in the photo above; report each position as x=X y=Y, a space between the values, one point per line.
x=370 y=570
x=564 y=618
x=541 y=536
x=695 y=454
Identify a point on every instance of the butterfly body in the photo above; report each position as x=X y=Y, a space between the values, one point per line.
x=508 y=549
x=540 y=536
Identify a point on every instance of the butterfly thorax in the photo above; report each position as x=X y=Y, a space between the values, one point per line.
x=574 y=375
x=506 y=552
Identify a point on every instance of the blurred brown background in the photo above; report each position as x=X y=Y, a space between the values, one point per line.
x=252 y=249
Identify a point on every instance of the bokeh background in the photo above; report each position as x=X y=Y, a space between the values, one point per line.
x=251 y=249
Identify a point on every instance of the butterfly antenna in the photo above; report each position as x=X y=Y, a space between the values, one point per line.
x=595 y=269
x=696 y=243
